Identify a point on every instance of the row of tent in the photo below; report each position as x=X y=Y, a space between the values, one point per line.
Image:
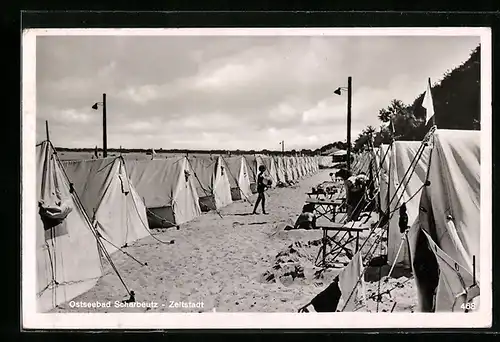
x=325 y=162
x=89 y=209
x=176 y=190
x=437 y=181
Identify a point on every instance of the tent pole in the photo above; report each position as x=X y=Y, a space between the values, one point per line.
x=473 y=270
x=47 y=129
x=388 y=208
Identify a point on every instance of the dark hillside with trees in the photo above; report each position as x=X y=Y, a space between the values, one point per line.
x=457 y=98
x=457 y=105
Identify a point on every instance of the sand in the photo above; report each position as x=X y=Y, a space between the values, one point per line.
x=235 y=262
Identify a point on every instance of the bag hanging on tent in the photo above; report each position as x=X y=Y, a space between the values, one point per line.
x=54 y=215
x=403 y=218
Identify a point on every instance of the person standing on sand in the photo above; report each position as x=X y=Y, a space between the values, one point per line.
x=261 y=187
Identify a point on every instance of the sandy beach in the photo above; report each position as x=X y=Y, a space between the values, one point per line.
x=231 y=261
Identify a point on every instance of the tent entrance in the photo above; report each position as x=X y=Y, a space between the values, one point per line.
x=161 y=217
x=236 y=194
x=207 y=203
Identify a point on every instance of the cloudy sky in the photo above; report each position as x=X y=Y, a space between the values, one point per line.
x=229 y=92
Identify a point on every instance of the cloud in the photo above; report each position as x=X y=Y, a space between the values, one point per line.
x=229 y=92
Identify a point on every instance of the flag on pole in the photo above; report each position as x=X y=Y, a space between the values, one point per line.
x=428 y=104
x=153 y=153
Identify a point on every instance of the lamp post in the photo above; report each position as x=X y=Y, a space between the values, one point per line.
x=104 y=136
x=282 y=143
x=338 y=91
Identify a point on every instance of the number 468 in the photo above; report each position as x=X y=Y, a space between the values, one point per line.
x=468 y=306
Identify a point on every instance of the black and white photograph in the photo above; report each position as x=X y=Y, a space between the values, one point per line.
x=256 y=178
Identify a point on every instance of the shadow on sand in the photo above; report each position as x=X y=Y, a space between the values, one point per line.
x=373 y=274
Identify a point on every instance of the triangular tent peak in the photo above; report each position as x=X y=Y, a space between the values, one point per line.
x=294 y=168
x=280 y=169
x=110 y=199
x=168 y=187
x=239 y=177
x=289 y=174
x=409 y=162
x=67 y=253
x=270 y=170
x=213 y=188
x=253 y=167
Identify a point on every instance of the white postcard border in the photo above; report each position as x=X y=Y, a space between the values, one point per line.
x=33 y=320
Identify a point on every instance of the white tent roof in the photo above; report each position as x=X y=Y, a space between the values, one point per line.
x=445 y=238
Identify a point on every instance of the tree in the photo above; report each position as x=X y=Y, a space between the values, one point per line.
x=457 y=98
x=397 y=107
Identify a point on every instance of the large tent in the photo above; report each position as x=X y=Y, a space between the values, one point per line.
x=239 y=177
x=383 y=158
x=168 y=188
x=314 y=164
x=295 y=168
x=307 y=165
x=445 y=238
x=280 y=169
x=253 y=163
x=109 y=198
x=213 y=187
x=270 y=172
x=67 y=250
x=300 y=167
x=325 y=161
x=289 y=175
x=408 y=171
x=363 y=162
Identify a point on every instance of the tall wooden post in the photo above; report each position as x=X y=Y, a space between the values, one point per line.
x=47 y=129
x=104 y=135
x=349 y=101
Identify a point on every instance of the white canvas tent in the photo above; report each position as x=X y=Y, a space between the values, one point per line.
x=446 y=236
x=270 y=172
x=384 y=156
x=67 y=253
x=339 y=153
x=363 y=162
x=280 y=169
x=298 y=166
x=315 y=163
x=239 y=177
x=213 y=187
x=307 y=164
x=287 y=162
x=253 y=163
x=295 y=168
x=325 y=161
x=168 y=188
x=109 y=198
x=302 y=166
x=408 y=171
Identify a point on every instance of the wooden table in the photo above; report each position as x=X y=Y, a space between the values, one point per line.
x=326 y=208
x=351 y=231
x=334 y=189
x=319 y=195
